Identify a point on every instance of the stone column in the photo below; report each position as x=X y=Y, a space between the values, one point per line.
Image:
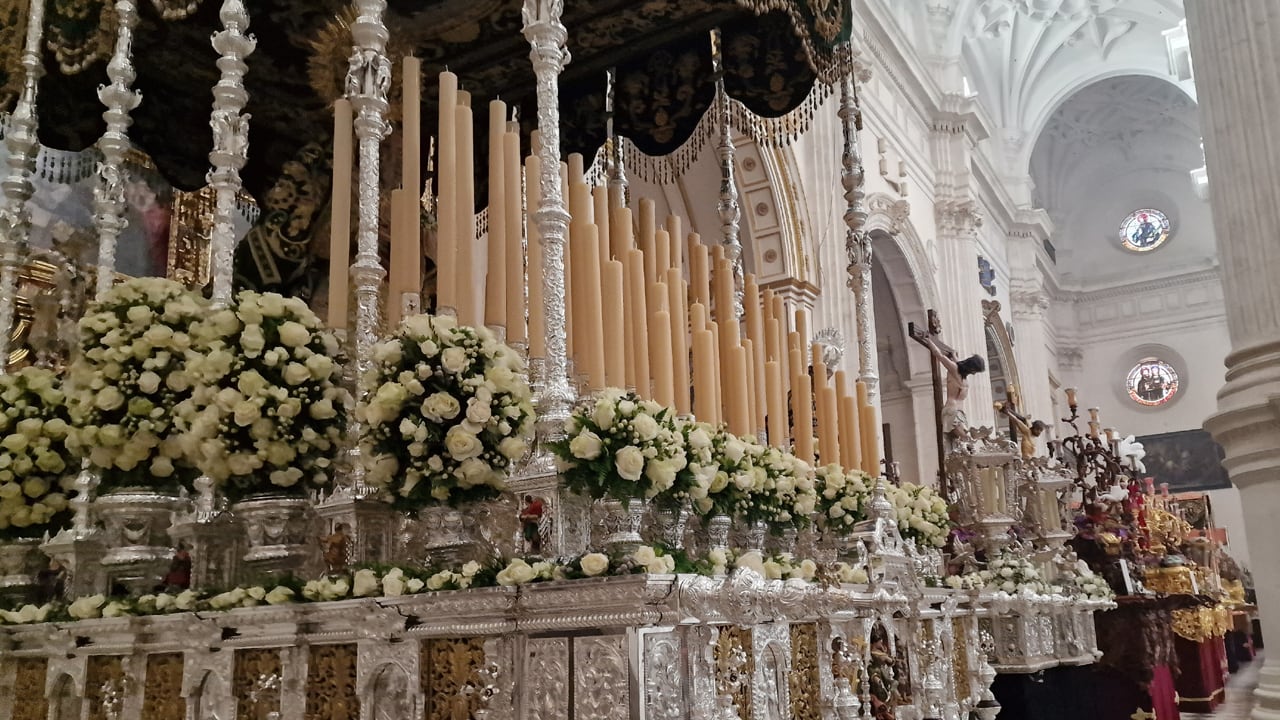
x=1029 y=307
x=1235 y=47
x=962 y=318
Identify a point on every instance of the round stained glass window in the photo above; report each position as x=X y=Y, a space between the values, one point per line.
x=1144 y=230
x=1152 y=382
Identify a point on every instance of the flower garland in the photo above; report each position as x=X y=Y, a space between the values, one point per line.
x=449 y=416
x=34 y=456
x=128 y=381
x=267 y=412
x=843 y=497
x=922 y=514
x=394 y=581
x=626 y=448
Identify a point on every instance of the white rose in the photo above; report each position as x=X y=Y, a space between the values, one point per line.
x=393 y=583
x=87 y=607
x=441 y=406
x=293 y=334
x=734 y=449
x=586 y=446
x=296 y=373
x=513 y=448
x=645 y=426
x=518 y=572
x=594 y=563
x=752 y=561
x=478 y=411
x=323 y=409
x=699 y=439
x=629 y=462
x=453 y=360
x=603 y=414
x=252 y=341
x=662 y=473
x=644 y=555
x=461 y=444
x=364 y=583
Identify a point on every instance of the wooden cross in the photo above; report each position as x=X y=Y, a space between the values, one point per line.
x=927 y=337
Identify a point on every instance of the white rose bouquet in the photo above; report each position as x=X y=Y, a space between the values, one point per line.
x=450 y=413
x=267 y=412
x=34 y=454
x=730 y=463
x=624 y=447
x=923 y=515
x=1009 y=573
x=788 y=495
x=1086 y=584
x=843 y=497
x=129 y=379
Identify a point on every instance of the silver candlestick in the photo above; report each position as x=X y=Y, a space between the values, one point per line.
x=120 y=99
x=857 y=241
x=368 y=79
x=230 y=139
x=22 y=145
x=730 y=212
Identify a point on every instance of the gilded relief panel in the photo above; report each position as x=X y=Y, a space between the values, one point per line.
x=735 y=666
x=256 y=683
x=331 y=683
x=104 y=686
x=162 y=693
x=804 y=682
x=450 y=670
x=29 y=686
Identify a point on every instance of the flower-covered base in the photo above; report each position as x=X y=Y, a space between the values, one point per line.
x=279 y=533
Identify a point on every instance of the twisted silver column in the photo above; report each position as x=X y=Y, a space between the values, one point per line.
x=120 y=99
x=728 y=208
x=546 y=36
x=22 y=145
x=230 y=139
x=857 y=242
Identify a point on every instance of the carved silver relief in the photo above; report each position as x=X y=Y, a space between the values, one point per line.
x=545 y=692
x=662 y=676
x=601 y=678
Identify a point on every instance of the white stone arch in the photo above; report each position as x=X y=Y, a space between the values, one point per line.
x=1065 y=93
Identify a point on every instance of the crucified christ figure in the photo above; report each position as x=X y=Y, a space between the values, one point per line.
x=958 y=372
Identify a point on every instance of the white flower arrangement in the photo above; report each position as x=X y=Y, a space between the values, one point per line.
x=843 y=497
x=851 y=574
x=923 y=515
x=1084 y=583
x=626 y=448
x=35 y=456
x=449 y=415
x=267 y=412
x=129 y=380
x=787 y=496
x=1008 y=573
x=521 y=572
x=724 y=470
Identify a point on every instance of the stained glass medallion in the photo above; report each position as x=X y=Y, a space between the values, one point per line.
x=1144 y=230
x=1152 y=382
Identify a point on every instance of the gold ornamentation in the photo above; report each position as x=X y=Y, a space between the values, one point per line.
x=162 y=693
x=805 y=685
x=1200 y=624
x=735 y=666
x=331 y=683
x=103 y=672
x=448 y=667
x=13 y=30
x=960 y=657
x=252 y=682
x=29 y=685
x=1169 y=580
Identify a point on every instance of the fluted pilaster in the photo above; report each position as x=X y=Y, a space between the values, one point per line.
x=1236 y=49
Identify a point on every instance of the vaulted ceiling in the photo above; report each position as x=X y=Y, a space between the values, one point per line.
x=1023 y=58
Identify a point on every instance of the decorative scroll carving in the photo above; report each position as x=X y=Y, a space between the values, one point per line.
x=547 y=674
x=450 y=672
x=162 y=692
x=331 y=683
x=104 y=682
x=601 y=678
x=735 y=666
x=803 y=680
x=256 y=682
x=662 y=676
x=28 y=684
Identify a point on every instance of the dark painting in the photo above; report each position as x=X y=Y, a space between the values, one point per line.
x=1187 y=460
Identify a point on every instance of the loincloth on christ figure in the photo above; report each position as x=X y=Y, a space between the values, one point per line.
x=953 y=419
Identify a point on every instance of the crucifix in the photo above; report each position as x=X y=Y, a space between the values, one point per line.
x=928 y=337
x=949 y=415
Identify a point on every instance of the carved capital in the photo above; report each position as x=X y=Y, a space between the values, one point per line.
x=958 y=218
x=896 y=211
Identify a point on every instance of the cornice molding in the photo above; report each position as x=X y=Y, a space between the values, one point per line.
x=1195 y=277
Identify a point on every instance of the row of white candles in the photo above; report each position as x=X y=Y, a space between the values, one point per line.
x=636 y=316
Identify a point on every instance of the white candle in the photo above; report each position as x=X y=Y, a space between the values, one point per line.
x=496 y=282
x=447 y=202
x=340 y=223
x=515 y=251
x=469 y=292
